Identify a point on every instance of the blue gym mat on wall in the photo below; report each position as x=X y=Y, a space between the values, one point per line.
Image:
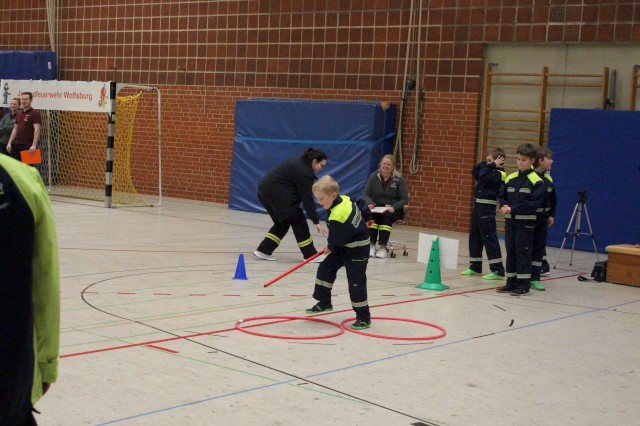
x=27 y=65
x=354 y=134
x=597 y=151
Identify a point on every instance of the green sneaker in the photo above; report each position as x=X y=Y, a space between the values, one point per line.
x=469 y=272
x=317 y=308
x=493 y=276
x=537 y=285
x=360 y=325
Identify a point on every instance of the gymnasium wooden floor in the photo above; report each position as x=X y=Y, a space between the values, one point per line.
x=149 y=306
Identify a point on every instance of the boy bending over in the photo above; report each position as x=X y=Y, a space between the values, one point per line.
x=348 y=246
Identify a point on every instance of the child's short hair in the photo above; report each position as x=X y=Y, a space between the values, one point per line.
x=496 y=152
x=326 y=184
x=527 y=150
x=542 y=153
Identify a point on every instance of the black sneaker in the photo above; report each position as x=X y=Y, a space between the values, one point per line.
x=317 y=308
x=520 y=291
x=360 y=325
x=505 y=289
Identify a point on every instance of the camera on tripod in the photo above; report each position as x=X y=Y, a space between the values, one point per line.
x=582 y=196
x=577 y=230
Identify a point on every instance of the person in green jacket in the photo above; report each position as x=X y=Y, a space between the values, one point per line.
x=29 y=293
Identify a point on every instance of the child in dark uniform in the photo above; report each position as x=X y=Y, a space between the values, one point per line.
x=490 y=176
x=546 y=214
x=348 y=246
x=520 y=198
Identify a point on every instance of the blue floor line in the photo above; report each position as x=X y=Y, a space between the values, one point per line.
x=362 y=364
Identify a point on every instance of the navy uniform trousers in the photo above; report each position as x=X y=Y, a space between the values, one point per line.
x=519 y=245
x=355 y=262
x=484 y=235
x=380 y=230
x=297 y=222
x=539 y=254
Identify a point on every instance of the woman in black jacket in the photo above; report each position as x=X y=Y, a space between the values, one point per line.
x=281 y=191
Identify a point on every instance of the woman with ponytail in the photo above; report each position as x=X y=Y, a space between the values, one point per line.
x=281 y=191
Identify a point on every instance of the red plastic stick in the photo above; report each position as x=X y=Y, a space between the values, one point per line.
x=293 y=269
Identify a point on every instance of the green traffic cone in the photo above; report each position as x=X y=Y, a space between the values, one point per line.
x=432 y=280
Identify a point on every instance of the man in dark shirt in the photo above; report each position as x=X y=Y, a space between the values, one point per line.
x=26 y=132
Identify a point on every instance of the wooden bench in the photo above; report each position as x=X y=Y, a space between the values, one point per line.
x=623 y=266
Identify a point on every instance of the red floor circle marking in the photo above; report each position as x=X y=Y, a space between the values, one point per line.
x=287 y=318
x=382 y=336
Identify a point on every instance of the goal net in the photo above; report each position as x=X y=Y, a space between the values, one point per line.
x=74 y=139
x=73 y=151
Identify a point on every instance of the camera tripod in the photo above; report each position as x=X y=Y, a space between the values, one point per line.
x=577 y=215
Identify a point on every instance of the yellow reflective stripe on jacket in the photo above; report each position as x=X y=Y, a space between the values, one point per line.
x=341 y=212
x=534 y=178
x=484 y=201
x=358 y=243
x=521 y=216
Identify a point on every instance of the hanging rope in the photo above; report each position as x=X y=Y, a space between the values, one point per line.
x=397 y=149
x=413 y=165
x=51 y=21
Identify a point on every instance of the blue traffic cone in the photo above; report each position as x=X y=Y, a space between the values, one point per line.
x=432 y=279
x=241 y=272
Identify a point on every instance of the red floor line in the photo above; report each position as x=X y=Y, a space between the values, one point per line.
x=162 y=294
x=134 y=345
x=170 y=339
x=163 y=349
x=124 y=292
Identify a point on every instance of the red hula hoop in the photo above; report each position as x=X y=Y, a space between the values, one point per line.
x=289 y=318
x=381 y=336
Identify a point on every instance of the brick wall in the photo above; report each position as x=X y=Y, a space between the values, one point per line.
x=204 y=55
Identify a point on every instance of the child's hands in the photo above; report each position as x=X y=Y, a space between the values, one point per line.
x=505 y=210
x=499 y=161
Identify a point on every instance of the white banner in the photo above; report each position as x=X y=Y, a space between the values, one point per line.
x=87 y=96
